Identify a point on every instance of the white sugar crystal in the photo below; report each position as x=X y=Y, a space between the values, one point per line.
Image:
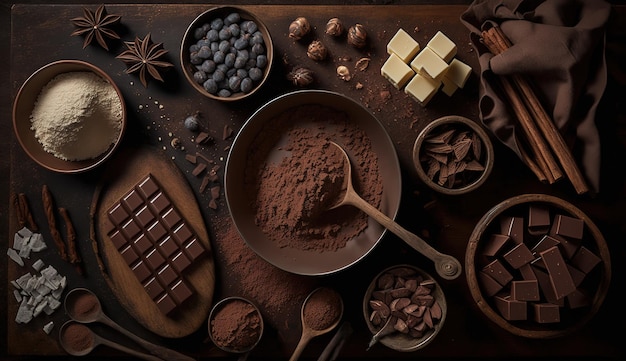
x=47 y=328
x=24 y=312
x=37 y=243
x=18 y=241
x=15 y=256
x=39 y=307
x=23 y=280
x=25 y=232
x=38 y=293
x=17 y=295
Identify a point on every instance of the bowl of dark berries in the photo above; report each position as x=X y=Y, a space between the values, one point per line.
x=537 y=266
x=404 y=308
x=453 y=155
x=226 y=53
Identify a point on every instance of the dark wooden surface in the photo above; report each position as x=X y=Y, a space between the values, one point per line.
x=40 y=34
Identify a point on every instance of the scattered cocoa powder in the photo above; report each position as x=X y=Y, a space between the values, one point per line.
x=236 y=326
x=293 y=167
x=77 y=337
x=322 y=309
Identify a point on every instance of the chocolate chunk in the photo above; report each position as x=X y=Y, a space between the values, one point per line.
x=567 y=226
x=560 y=278
x=156 y=242
x=585 y=260
x=546 y=313
x=538 y=219
x=578 y=299
x=495 y=244
x=518 y=256
x=544 y=243
x=511 y=310
x=498 y=272
x=514 y=228
x=525 y=290
x=489 y=286
x=546 y=287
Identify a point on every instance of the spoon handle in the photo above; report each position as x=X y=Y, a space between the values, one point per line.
x=129 y=350
x=304 y=340
x=447 y=266
x=157 y=350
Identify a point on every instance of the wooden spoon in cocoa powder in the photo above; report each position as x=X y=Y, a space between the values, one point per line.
x=321 y=312
x=447 y=266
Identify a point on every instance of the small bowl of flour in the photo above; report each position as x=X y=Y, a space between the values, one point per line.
x=69 y=116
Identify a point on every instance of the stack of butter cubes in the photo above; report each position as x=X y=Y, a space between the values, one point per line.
x=422 y=72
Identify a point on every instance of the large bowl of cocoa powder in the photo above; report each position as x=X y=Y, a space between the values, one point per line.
x=278 y=172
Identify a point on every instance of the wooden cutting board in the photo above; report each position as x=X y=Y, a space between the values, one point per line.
x=128 y=168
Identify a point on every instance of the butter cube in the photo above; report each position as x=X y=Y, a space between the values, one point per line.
x=396 y=71
x=422 y=88
x=403 y=45
x=427 y=62
x=442 y=46
x=458 y=72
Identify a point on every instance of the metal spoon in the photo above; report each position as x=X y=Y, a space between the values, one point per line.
x=447 y=266
x=96 y=314
x=387 y=329
x=308 y=332
x=92 y=340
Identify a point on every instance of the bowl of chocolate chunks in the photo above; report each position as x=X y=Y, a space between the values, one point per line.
x=226 y=53
x=453 y=155
x=537 y=266
x=404 y=308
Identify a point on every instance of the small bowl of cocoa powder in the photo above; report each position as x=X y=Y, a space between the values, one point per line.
x=404 y=308
x=453 y=155
x=69 y=116
x=235 y=325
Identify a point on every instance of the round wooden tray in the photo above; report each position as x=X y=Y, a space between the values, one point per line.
x=121 y=175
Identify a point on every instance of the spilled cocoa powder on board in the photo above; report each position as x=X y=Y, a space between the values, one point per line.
x=278 y=293
x=291 y=164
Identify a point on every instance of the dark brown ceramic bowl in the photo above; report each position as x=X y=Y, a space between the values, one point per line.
x=25 y=103
x=595 y=283
x=292 y=259
x=188 y=39
x=466 y=181
x=397 y=340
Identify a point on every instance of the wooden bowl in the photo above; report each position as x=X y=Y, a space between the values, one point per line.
x=397 y=340
x=466 y=180
x=189 y=39
x=25 y=103
x=595 y=282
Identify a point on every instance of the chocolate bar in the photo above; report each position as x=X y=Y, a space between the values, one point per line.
x=156 y=242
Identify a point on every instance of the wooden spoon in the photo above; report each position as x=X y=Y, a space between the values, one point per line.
x=447 y=266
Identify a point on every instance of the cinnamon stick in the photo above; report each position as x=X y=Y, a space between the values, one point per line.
x=26 y=213
x=497 y=42
x=21 y=221
x=72 y=252
x=48 y=206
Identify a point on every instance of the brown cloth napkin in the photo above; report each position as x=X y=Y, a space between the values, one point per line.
x=559 y=46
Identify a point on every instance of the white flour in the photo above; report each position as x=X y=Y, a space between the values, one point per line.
x=77 y=116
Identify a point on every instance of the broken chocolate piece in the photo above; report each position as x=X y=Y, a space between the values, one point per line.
x=560 y=278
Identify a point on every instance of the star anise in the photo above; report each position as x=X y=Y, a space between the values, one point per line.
x=95 y=25
x=143 y=56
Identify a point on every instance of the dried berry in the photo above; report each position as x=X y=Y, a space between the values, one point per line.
x=192 y=122
x=317 y=50
x=334 y=27
x=299 y=28
x=357 y=36
x=301 y=77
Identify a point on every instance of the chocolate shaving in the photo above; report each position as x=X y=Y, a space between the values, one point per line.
x=48 y=206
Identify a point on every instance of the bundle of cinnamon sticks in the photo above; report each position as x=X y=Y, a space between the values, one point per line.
x=548 y=156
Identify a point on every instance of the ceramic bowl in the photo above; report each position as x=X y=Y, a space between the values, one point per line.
x=589 y=270
x=453 y=155
x=427 y=300
x=25 y=103
x=190 y=67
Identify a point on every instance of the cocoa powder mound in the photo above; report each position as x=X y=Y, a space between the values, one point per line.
x=236 y=325
x=293 y=174
x=322 y=309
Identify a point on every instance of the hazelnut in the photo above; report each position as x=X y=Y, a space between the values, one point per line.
x=299 y=28
x=316 y=50
x=343 y=73
x=357 y=36
x=301 y=77
x=334 y=27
